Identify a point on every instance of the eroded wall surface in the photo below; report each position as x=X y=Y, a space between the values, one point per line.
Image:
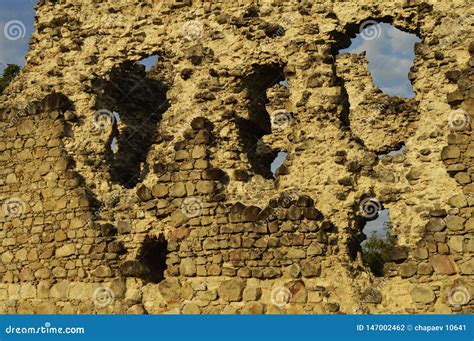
x=181 y=213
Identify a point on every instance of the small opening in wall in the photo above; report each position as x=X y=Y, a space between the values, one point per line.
x=116 y=117
x=113 y=145
x=278 y=162
x=390 y=53
x=149 y=62
x=377 y=248
x=153 y=255
x=393 y=152
x=284 y=83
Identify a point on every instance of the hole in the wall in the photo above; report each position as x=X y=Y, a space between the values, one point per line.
x=149 y=62
x=258 y=123
x=390 y=53
x=284 y=83
x=113 y=145
x=377 y=248
x=116 y=117
x=400 y=149
x=153 y=256
x=141 y=100
x=278 y=162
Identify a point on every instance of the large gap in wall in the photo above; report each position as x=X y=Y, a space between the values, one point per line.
x=152 y=255
x=377 y=248
x=258 y=123
x=390 y=53
x=138 y=101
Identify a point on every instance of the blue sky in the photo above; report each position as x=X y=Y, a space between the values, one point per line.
x=390 y=53
x=20 y=14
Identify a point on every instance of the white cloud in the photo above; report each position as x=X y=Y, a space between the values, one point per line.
x=390 y=57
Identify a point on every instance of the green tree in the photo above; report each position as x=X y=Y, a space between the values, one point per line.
x=9 y=73
x=376 y=251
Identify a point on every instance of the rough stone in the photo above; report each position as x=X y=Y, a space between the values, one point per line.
x=423 y=294
x=231 y=290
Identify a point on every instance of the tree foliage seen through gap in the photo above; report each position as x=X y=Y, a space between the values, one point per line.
x=9 y=73
x=377 y=251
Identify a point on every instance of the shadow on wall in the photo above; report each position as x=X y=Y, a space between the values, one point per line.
x=141 y=102
x=258 y=124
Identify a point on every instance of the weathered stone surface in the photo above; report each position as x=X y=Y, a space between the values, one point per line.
x=187 y=267
x=407 y=270
x=371 y=295
x=252 y=293
x=310 y=268
x=169 y=288
x=253 y=308
x=467 y=268
x=443 y=264
x=231 y=290
x=436 y=225
x=422 y=294
x=184 y=203
x=455 y=223
x=66 y=250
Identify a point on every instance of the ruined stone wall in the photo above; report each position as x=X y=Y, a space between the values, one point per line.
x=184 y=216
